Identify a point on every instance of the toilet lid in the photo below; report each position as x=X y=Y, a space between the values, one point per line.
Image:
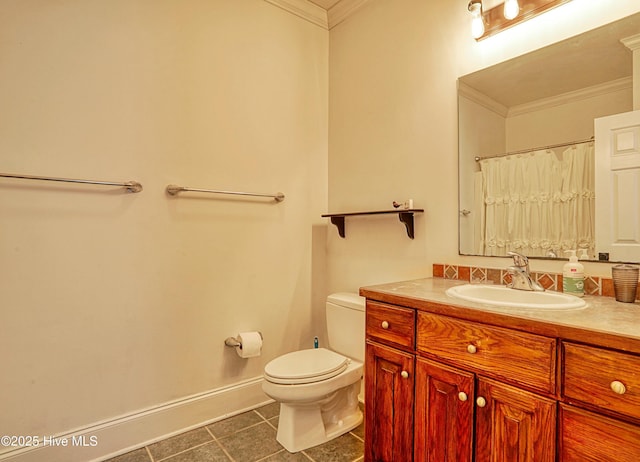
x=305 y=366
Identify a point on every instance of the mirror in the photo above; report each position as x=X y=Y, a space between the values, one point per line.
x=521 y=123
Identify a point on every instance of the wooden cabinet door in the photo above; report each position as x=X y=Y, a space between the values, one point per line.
x=513 y=425
x=588 y=437
x=443 y=413
x=388 y=401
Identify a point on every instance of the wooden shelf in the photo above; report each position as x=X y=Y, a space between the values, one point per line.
x=404 y=215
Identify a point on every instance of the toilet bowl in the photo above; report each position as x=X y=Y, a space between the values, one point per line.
x=318 y=388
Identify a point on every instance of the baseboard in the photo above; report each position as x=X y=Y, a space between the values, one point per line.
x=103 y=440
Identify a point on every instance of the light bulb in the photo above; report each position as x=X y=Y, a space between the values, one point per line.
x=477 y=23
x=511 y=9
x=477 y=27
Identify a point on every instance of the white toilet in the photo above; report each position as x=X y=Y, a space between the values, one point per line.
x=318 y=388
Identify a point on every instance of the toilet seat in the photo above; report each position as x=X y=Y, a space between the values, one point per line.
x=305 y=366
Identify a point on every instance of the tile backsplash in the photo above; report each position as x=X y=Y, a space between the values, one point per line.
x=593 y=285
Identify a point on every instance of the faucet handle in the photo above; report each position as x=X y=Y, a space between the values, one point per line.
x=519 y=259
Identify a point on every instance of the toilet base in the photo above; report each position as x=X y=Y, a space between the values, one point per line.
x=302 y=426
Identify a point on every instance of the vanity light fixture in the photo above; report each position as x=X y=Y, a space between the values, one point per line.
x=477 y=21
x=486 y=23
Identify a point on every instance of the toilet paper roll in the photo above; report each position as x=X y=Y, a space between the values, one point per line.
x=250 y=344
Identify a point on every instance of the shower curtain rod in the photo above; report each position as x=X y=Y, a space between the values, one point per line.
x=552 y=146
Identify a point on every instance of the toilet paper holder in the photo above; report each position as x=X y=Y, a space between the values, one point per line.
x=234 y=342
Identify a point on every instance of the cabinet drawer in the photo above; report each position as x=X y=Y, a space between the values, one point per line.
x=585 y=436
x=391 y=324
x=604 y=378
x=518 y=357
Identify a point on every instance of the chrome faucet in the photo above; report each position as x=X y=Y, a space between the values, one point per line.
x=520 y=276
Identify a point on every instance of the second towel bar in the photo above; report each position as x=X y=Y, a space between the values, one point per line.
x=173 y=190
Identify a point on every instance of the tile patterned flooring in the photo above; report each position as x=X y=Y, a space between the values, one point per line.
x=247 y=437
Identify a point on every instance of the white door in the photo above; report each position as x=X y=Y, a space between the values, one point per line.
x=618 y=186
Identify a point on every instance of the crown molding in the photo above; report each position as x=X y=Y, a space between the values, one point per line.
x=632 y=43
x=483 y=100
x=317 y=15
x=624 y=83
x=342 y=10
x=305 y=10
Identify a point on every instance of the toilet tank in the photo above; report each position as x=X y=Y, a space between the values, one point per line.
x=345 y=324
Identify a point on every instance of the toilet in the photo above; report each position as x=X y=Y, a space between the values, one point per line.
x=318 y=388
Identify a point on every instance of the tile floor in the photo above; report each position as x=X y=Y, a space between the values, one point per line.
x=247 y=437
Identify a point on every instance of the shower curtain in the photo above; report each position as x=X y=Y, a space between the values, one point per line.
x=539 y=203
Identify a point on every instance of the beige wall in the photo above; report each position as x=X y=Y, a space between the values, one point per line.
x=569 y=121
x=116 y=302
x=393 y=127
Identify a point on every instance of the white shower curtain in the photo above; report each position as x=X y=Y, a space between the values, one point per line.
x=538 y=202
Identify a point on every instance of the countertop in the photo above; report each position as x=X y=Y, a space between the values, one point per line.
x=603 y=322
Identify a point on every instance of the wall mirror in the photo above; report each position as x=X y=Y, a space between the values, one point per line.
x=526 y=155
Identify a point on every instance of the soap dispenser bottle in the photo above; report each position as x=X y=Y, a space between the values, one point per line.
x=573 y=276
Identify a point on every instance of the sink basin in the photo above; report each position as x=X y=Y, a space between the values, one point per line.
x=504 y=296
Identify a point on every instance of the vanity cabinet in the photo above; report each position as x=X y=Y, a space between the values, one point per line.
x=517 y=357
x=450 y=383
x=476 y=366
x=389 y=382
x=589 y=437
x=391 y=325
x=604 y=382
x=510 y=424
x=444 y=408
x=456 y=365
x=513 y=424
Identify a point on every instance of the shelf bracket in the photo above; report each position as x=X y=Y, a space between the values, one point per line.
x=339 y=222
x=407 y=219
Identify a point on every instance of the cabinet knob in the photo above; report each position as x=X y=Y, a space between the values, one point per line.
x=385 y=325
x=404 y=374
x=481 y=402
x=471 y=349
x=462 y=396
x=618 y=387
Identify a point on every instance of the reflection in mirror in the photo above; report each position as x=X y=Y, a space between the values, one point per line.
x=526 y=155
